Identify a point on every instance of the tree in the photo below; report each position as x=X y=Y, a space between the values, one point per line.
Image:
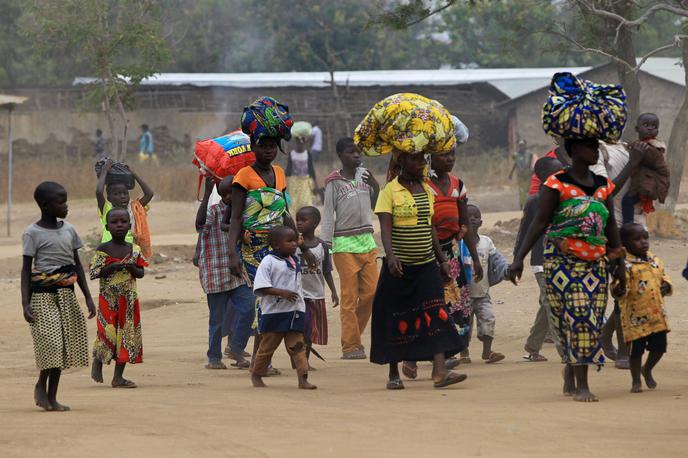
x=626 y=17
x=119 y=42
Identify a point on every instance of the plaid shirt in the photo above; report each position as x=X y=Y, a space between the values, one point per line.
x=213 y=262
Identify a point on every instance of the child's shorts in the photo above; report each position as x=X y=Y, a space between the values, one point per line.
x=656 y=343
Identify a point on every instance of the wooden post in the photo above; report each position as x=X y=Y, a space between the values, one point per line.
x=9 y=171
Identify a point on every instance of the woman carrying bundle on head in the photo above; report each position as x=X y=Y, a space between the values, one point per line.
x=576 y=214
x=300 y=169
x=411 y=321
x=259 y=191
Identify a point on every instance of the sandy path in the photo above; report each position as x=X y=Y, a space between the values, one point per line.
x=510 y=409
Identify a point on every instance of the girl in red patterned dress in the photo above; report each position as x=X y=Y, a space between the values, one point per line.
x=117 y=264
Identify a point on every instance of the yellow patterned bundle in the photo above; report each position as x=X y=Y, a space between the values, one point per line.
x=408 y=123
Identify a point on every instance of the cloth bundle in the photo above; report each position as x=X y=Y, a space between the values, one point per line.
x=223 y=156
x=119 y=173
x=302 y=129
x=578 y=109
x=406 y=122
x=267 y=118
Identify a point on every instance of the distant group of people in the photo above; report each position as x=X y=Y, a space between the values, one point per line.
x=265 y=271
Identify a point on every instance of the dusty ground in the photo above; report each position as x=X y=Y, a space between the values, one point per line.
x=511 y=409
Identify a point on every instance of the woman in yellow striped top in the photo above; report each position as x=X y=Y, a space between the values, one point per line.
x=410 y=318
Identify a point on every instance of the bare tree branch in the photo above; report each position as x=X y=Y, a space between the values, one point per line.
x=632 y=23
x=431 y=13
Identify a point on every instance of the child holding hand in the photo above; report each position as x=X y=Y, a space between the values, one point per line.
x=282 y=310
x=314 y=279
x=641 y=301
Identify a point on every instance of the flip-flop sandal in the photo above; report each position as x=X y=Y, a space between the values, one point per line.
x=465 y=360
x=451 y=378
x=241 y=364
x=452 y=363
x=534 y=357
x=494 y=357
x=409 y=372
x=126 y=384
x=218 y=365
x=271 y=372
x=395 y=384
x=357 y=354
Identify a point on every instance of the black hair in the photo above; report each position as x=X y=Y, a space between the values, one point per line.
x=109 y=186
x=278 y=234
x=313 y=211
x=628 y=229
x=644 y=115
x=474 y=206
x=144 y=126
x=99 y=132
x=114 y=210
x=545 y=166
x=570 y=142
x=343 y=144
x=46 y=190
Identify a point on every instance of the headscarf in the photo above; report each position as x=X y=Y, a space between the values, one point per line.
x=577 y=109
x=267 y=118
x=406 y=122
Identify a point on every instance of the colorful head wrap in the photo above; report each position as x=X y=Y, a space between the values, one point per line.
x=406 y=122
x=267 y=118
x=578 y=109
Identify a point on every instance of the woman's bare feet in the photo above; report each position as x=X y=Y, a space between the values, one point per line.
x=41 y=398
x=97 y=371
x=57 y=407
x=649 y=380
x=636 y=387
x=584 y=395
x=304 y=384
x=123 y=383
x=257 y=381
x=569 y=381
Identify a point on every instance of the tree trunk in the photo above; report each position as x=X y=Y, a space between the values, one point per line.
x=628 y=78
x=678 y=141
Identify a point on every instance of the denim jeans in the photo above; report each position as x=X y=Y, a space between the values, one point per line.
x=238 y=302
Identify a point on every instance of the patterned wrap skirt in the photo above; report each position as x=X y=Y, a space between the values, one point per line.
x=456 y=293
x=316 y=321
x=59 y=333
x=253 y=248
x=577 y=293
x=300 y=191
x=411 y=321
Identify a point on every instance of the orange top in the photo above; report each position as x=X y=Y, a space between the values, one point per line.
x=249 y=179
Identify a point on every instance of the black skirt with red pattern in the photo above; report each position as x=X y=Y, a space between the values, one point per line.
x=411 y=321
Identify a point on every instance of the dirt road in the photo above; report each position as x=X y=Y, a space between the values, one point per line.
x=513 y=408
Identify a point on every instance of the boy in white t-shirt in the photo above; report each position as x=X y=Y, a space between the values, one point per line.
x=482 y=312
x=282 y=310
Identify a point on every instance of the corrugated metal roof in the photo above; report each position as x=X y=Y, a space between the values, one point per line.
x=667 y=68
x=513 y=82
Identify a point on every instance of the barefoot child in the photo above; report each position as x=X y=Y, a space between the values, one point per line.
x=350 y=194
x=50 y=267
x=282 y=311
x=481 y=303
x=117 y=264
x=227 y=294
x=118 y=197
x=641 y=302
x=307 y=220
